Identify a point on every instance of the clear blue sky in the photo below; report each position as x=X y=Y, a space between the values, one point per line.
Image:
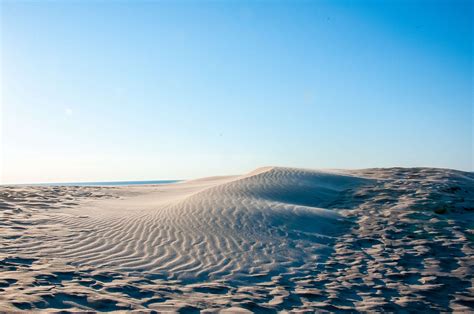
x=131 y=90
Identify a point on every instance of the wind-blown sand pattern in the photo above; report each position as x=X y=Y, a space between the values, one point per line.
x=277 y=239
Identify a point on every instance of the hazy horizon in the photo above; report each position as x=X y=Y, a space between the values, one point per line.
x=152 y=90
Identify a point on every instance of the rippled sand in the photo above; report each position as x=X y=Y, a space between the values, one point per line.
x=277 y=239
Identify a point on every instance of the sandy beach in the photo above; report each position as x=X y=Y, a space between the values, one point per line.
x=273 y=240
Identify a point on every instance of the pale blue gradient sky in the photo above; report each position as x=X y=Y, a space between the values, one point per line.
x=135 y=90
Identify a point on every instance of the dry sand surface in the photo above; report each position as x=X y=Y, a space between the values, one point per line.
x=274 y=240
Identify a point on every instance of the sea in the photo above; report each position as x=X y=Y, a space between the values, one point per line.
x=106 y=183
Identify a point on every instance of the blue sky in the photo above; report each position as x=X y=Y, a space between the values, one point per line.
x=136 y=90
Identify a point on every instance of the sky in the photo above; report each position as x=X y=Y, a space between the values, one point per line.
x=143 y=90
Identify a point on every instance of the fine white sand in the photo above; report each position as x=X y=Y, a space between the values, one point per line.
x=276 y=239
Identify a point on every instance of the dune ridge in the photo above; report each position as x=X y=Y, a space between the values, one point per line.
x=247 y=225
x=274 y=239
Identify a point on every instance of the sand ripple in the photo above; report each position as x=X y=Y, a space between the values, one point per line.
x=275 y=239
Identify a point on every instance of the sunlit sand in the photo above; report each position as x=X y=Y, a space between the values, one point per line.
x=272 y=240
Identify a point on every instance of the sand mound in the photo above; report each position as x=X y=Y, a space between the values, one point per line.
x=274 y=239
x=234 y=227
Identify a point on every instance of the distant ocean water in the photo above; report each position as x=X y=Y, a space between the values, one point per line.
x=107 y=183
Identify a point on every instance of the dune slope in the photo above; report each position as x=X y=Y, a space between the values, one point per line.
x=274 y=239
x=243 y=226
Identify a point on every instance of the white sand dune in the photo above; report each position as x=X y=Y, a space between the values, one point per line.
x=205 y=229
x=275 y=239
